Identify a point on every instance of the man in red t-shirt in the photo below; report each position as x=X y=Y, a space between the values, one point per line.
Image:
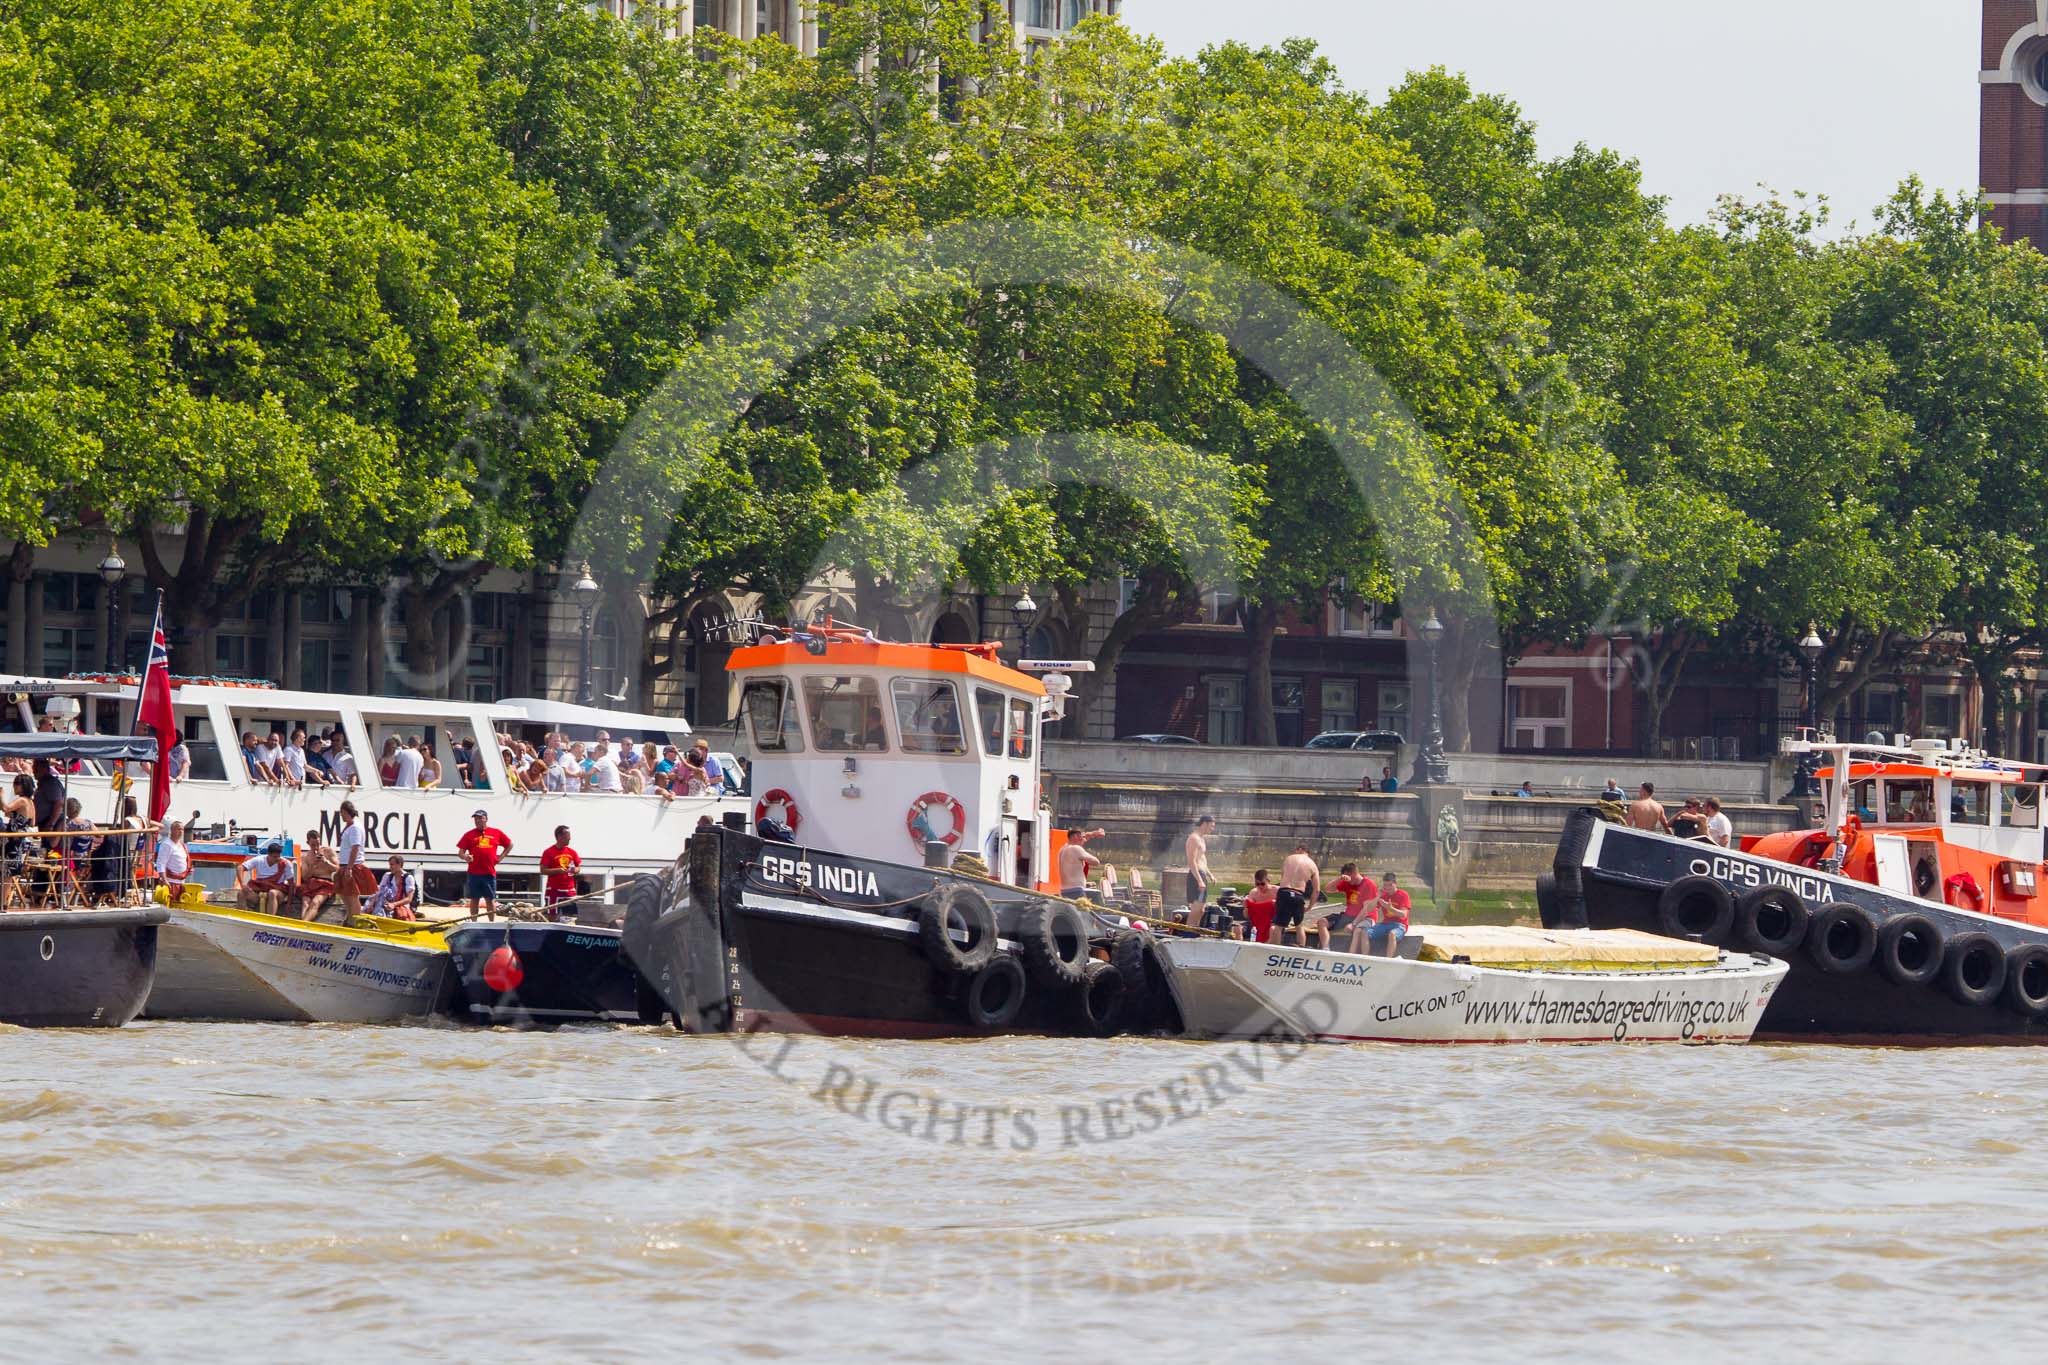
x=484 y=846
x=1360 y=895
x=1393 y=917
x=1259 y=904
x=561 y=863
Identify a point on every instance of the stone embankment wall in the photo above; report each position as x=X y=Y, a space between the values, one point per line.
x=1147 y=798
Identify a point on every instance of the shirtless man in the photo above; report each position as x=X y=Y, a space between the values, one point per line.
x=1199 y=880
x=1076 y=863
x=1646 y=812
x=1301 y=885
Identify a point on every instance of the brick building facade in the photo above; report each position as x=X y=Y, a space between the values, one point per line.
x=2012 y=147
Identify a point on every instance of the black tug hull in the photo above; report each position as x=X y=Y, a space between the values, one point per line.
x=1611 y=877
x=570 y=974
x=745 y=936
x=77 y=968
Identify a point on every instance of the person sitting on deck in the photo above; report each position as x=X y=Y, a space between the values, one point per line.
x=1393 y=919
x=1359 y=895
x=19 y=812
x=317 y=866
x=263 y=882
x=1259 y=905
x=398 y=892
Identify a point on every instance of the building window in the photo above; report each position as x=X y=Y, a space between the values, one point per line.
x=1042 y=13
x=65 y=592
x=484 y=677
x=606 y=656
x=1365 y=620
x=231 y=655
x=1287 y=698
x=1539 y=715
x=1226 y=708
x=1395 y=704
x=1944 y=715
x=1219 y=607
x=1881 y=709
x=68 y=651
x=1340 y=704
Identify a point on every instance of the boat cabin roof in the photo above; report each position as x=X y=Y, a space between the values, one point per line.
x=840 y=650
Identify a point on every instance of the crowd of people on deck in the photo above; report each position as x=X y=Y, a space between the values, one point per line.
x=557 y=764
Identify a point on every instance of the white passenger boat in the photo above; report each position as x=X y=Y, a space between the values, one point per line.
x=219 y=962
x=618 y=835
x=1485 y=986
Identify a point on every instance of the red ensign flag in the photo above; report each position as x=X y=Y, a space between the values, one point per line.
x=153 y=713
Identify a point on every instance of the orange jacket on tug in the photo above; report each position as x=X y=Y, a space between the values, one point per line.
x=1915 y=910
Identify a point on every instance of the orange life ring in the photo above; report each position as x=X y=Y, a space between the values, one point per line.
x=920 y=827
x=1962 y=891
x=794 y=818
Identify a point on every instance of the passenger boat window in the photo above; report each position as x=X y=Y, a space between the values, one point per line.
x=771 y=714
x=203 y=746
x=1021 y=728
x=1909 y=802
x=1969 y=803
x=1863 y=798
x=988 y=705
x=2019 y=806
x=845 y=715
x=927 y=716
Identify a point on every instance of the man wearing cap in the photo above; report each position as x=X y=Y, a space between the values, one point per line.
x=262 y=882
x=483 y=845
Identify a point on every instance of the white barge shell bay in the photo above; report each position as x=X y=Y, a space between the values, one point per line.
x=226 y=964
x=1232 y=989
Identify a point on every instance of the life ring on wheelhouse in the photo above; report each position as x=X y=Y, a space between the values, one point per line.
x=918 y=820
x=791 y=816
x=1962 y=891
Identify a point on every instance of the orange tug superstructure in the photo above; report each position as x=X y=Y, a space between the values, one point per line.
x=1952 y=826
x=1912 y=913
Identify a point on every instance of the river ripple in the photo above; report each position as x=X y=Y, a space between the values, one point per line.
x=247 y=1192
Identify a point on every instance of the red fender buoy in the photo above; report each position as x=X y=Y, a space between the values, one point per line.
x=502 y=969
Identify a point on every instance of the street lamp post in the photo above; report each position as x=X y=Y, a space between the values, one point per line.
x=1026 y=609
x=1432 y=765
x=586 y=592
x=112 y=569
x=1804 y=783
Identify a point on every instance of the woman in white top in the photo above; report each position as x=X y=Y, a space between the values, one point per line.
x=173 y=860
x=348 y=852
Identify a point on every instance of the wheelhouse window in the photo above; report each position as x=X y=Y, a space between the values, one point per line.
x=770 y=709
x=2019 y=806
x=988 y=707
x=1863 y=798
x=845 y=715
x=927 y=716
x=1969 y=803
x=1021 y=728
x=1909 y=802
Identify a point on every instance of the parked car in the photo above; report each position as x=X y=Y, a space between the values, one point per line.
x=1379 y=741
x=1156 y=739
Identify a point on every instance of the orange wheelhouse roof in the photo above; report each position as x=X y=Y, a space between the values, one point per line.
x=845 y=649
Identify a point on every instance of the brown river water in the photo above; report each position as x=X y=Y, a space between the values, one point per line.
x=254 y=1193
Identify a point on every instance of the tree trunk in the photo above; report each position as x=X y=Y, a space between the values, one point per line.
x=1261 y=624
x=1161 y=601
x=1459 y=655
x=1664 y=665
x=432 y=665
